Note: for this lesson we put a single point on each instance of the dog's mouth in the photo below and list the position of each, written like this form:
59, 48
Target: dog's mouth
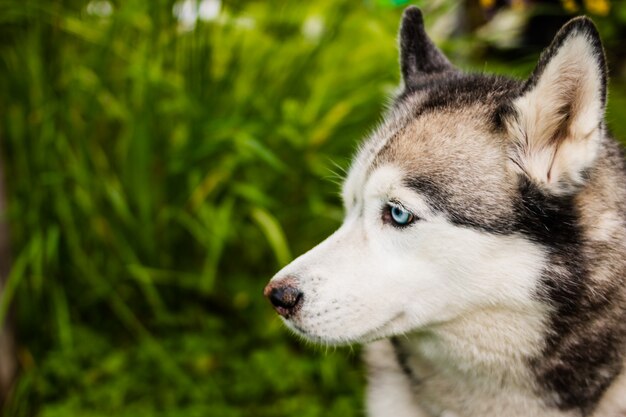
340, 334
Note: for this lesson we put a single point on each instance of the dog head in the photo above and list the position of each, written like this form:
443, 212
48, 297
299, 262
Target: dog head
447, 203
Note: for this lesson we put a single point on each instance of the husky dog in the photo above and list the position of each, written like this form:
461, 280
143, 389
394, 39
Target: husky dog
483, 253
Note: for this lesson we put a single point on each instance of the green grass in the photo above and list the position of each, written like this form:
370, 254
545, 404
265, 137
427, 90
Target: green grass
159, 177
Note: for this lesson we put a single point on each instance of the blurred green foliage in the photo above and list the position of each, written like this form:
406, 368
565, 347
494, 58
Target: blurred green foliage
160, 172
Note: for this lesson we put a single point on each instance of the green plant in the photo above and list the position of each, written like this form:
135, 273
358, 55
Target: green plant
159, 173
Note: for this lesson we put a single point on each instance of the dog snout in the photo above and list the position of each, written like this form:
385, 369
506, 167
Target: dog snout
284, 296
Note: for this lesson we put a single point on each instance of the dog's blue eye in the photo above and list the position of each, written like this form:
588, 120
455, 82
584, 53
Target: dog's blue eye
400, 216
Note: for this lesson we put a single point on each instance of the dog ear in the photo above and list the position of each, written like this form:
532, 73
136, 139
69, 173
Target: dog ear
418, 55
557, 121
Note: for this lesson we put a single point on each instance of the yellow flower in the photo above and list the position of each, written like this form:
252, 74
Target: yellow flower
599, 7
570, 6
487, 4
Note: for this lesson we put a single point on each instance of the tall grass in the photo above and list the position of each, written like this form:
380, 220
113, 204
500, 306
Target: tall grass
158, 175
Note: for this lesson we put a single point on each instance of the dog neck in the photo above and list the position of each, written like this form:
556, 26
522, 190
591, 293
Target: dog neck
480, 360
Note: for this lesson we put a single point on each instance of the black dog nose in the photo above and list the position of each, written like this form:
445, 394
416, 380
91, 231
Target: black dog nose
285, 298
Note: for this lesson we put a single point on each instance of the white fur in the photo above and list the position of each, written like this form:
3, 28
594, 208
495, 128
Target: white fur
389, 393
470, 292
369, 280
462, 302
467, 364
396, 120
605, 225
571, 80
613, 402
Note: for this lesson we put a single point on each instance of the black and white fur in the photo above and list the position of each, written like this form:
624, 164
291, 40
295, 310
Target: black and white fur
505, 295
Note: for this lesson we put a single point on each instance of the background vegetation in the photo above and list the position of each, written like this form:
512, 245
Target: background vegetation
163, 159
